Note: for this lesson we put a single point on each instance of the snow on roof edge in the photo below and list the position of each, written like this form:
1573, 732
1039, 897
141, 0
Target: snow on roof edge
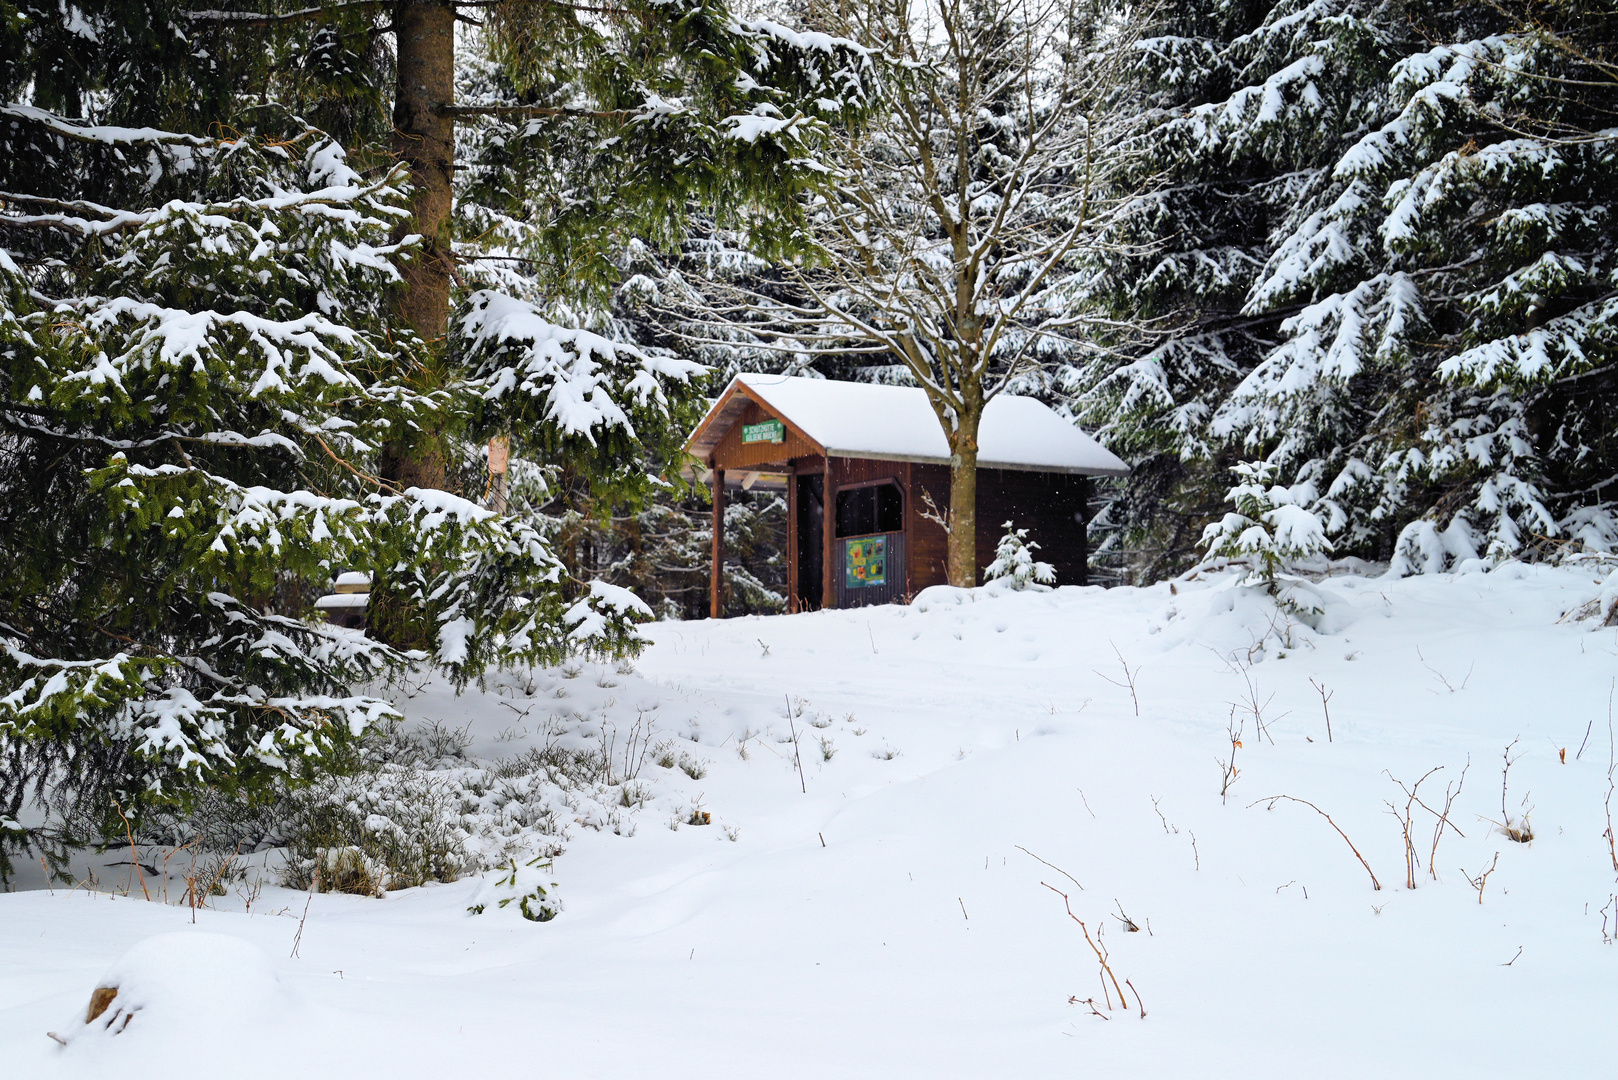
897, 423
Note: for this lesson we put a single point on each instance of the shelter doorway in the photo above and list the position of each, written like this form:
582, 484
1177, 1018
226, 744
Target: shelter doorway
811, 542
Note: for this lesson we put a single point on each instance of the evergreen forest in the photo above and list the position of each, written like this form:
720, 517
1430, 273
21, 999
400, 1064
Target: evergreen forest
276, 275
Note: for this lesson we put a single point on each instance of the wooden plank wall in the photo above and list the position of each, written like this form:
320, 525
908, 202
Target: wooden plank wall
800, 600
735, 456
929, 547
847, 471
1051, 506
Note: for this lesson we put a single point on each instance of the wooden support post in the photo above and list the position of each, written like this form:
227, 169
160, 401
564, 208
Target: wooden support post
793, 509
1082, 516
828, 522
716, 602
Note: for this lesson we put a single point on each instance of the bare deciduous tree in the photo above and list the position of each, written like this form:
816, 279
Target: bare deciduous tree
951, 243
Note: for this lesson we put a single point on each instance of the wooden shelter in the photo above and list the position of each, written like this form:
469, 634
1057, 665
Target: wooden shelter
865, 469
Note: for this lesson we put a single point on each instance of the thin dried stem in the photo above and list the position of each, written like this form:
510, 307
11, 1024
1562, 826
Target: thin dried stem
1052, 865
134, 859
1129, 677
1273, 799
1099, 950
1325, 699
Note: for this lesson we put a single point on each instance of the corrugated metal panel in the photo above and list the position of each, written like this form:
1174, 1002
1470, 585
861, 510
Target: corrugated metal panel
851, 594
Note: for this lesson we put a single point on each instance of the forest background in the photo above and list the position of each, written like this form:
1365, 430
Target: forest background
272, 277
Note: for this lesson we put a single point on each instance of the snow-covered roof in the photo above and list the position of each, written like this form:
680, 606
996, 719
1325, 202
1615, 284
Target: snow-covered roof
896, 423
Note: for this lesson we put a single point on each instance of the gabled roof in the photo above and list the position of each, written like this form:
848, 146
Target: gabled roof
896, 423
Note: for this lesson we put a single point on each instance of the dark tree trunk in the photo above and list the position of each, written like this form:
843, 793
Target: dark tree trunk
424, 138
963, 502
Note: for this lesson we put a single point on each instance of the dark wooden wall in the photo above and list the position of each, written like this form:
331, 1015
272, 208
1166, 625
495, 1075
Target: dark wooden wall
847, 471
1051, 506
929, 547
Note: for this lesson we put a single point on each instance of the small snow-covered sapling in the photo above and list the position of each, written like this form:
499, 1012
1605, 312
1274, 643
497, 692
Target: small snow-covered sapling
1014, 561
1269, 527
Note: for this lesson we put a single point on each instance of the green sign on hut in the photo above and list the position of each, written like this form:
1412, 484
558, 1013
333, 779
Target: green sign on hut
770, 431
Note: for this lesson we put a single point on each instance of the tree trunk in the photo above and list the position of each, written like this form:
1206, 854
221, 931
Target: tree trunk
963, 500
424, 138
716, 598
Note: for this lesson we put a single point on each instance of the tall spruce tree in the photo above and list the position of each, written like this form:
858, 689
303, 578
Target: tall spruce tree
1388, 243
228, 369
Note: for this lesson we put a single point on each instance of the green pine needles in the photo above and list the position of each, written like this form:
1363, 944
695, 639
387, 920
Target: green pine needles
1384, 231
211, 400
192, 413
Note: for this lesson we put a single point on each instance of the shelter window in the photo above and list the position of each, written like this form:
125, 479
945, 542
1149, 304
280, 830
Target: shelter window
874, 508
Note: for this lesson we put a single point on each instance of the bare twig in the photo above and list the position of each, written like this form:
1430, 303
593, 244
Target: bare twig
1129, 677
1517, 829
932, 513
1227, 768
1099, 950
1052, 865
1612, 778
1587, 729
797, 757
1439, 675
1074, 1000
1325, 699
314, 887
1404, 820
1483, 876
1138, 1001
1167, 828
1443, 818
134, 860
1252, 704
1273, 799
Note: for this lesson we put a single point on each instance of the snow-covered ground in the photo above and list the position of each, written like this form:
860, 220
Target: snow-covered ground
894, 920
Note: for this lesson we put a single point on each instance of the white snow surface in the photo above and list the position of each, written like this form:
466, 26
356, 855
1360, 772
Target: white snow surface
200, 989
893, 920
870, 420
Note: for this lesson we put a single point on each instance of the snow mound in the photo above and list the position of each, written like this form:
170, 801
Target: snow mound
181, 986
